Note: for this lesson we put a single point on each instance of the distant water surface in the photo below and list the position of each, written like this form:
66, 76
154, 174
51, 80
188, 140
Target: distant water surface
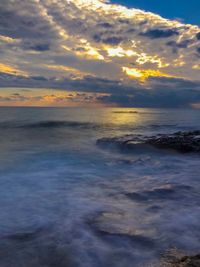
65, 202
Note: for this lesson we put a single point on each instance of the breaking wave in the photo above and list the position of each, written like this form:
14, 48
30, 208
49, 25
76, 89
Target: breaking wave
48, 124
84, 125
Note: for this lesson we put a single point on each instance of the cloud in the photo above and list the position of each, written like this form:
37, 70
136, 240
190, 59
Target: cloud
57, 98
159, 92
38, 47
105, 25
179, 45
142, 75
112, 40
96, 46
4, 68
155, 99
160, 33
198, 36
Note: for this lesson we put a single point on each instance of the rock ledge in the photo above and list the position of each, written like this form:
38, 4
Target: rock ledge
183, 142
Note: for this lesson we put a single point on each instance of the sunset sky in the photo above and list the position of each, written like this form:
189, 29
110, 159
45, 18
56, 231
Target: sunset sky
132, 53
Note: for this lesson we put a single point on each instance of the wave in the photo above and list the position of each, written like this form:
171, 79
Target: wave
157, 126
48, 124
87, 125
59, 124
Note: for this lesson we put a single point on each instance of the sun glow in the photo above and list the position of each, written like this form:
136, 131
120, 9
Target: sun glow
11, 70
89, 51
120, 52
7, 39
142, 75
71, 71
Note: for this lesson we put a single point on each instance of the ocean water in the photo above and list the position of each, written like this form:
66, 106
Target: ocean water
65, 202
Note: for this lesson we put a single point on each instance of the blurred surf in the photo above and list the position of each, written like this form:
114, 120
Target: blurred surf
64, 201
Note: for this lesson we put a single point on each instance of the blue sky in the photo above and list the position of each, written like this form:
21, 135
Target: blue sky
188, 11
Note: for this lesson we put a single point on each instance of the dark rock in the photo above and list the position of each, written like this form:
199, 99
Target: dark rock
154, 208
26, 234
183, 142
186, 261
22, 236
113, 227
167, 192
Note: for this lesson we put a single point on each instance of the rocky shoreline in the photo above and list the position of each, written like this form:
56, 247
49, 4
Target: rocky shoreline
184, 261
183, 142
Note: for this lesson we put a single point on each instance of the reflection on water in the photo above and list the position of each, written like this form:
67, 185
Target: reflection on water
66, 202
116, 116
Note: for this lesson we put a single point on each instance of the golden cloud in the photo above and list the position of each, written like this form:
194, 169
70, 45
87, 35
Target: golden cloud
142, 75
11, 70
71, 71
7, 39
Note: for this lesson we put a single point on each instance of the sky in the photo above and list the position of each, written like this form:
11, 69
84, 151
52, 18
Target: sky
183, 10
139, 53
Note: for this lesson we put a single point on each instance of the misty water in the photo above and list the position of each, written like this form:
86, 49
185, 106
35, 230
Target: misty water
65, 202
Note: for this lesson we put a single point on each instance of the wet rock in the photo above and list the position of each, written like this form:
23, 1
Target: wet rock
117, 226
186, 261
190, 261
183, 142
120, 141
39, 247
166, 192
24, 234
154, 208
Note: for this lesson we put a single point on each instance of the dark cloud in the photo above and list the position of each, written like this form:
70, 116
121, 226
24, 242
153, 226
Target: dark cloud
41, 47
143, 22
154, 98
97, 38
105, 25
183, 44
198, 50
165, 92
23, 19
17, 26
198, 36
13, 97
159, 33
124, 21
132, 30
119, 99
87, 84
178, 45
112, 40
39, 78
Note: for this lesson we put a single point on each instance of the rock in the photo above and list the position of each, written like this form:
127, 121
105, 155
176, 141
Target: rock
183, 142
186, 261
193, 261
119, 226
166, 192
25, 236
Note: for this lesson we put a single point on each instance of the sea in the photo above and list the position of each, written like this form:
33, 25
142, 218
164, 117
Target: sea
67, 202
